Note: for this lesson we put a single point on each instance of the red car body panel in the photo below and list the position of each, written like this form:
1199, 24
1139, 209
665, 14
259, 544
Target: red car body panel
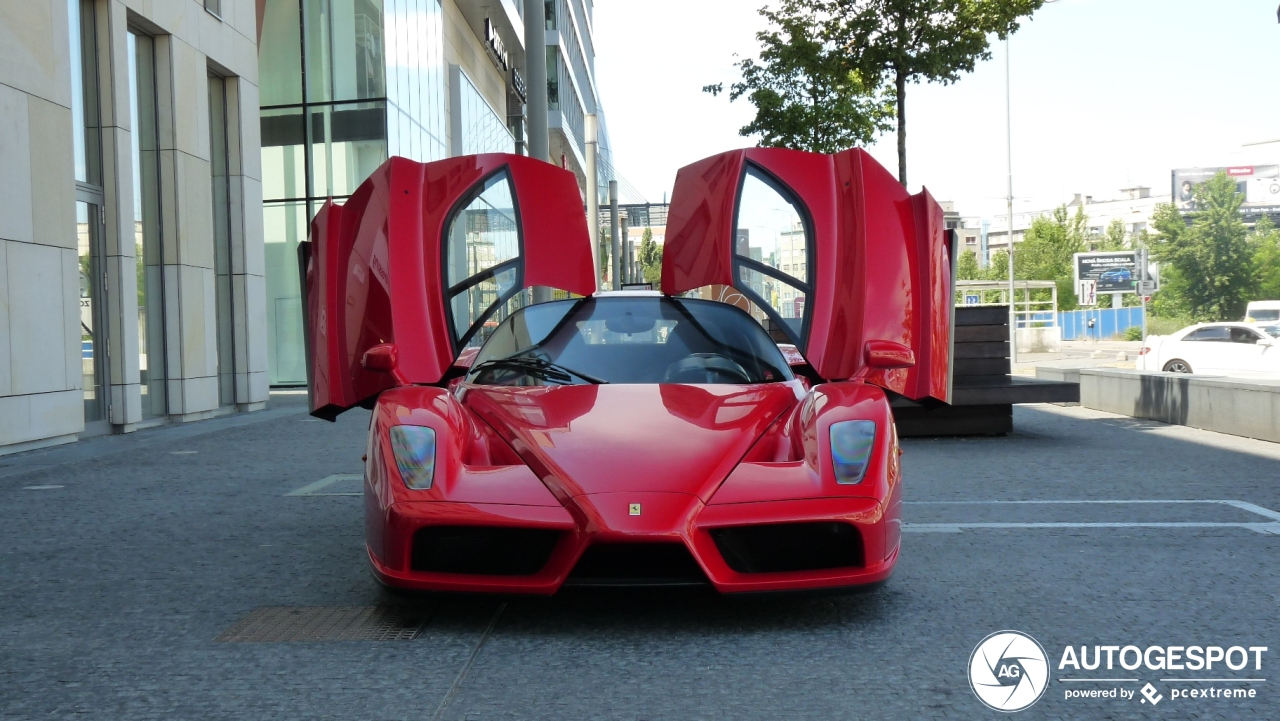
375, 275
653, 465
882, 262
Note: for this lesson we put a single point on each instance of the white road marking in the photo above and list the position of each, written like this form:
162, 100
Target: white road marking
40, 488
312, 488
1271, 528
182, 453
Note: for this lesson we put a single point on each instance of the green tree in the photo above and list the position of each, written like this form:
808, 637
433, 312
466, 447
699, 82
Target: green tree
1113, 239
1048, 251
998, 268
805, 96
967, 266
906, 41
1266, 258
650, 258
1211, 257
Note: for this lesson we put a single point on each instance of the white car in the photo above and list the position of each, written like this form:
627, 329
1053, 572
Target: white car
1262, 311
1233, 349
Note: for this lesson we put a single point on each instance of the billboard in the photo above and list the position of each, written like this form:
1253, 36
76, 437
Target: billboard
1110, 272
1259, 184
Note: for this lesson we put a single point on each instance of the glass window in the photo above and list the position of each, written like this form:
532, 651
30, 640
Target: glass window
482, 131
213, 6
92, 347
348, 142
146, 209
633, 340
553, 80
280, 55
220, 151
1244, 335
343, 49
1216, 333
481, 255
772, 249
86, 135
284, 226
284, 167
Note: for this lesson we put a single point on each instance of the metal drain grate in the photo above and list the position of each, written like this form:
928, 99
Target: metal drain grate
326, 623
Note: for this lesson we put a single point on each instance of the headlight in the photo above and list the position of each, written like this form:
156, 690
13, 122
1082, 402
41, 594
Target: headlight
851, 444
415, 451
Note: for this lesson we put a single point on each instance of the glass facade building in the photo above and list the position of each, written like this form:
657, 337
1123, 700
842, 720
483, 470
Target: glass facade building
345, 85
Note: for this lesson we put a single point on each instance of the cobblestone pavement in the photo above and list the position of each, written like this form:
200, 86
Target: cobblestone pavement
125, 558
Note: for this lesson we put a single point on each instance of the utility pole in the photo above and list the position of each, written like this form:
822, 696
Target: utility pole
535, 65
629, 275
1008, 107
613, 235
593, 186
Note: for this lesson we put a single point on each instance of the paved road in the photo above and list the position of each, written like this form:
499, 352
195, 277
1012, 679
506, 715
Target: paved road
116, 584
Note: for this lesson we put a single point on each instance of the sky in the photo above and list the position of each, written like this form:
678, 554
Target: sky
1106, 94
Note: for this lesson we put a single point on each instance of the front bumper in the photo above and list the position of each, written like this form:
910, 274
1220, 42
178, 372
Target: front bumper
666, 520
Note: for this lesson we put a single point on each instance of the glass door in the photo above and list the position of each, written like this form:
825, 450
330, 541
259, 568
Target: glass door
146, 212
219, 144
93, 347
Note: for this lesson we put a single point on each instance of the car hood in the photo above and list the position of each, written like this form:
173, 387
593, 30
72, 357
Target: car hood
623, 438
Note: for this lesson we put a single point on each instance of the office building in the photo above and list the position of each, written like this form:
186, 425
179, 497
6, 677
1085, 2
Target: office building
131, 264
348, 83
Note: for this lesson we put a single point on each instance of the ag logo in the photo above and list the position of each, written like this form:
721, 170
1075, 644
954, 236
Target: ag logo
1008, 671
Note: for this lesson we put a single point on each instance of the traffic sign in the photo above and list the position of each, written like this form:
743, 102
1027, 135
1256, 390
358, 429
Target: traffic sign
1088, 292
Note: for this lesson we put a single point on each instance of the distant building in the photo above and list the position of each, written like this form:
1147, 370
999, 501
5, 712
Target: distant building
968, 229
1134, 209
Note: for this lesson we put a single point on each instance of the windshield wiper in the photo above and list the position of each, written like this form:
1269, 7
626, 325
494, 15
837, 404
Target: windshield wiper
539, 368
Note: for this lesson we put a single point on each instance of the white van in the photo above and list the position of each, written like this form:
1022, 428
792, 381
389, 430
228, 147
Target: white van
1262, 311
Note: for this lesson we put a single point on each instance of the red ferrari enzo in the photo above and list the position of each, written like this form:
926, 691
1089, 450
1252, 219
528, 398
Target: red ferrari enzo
733, 429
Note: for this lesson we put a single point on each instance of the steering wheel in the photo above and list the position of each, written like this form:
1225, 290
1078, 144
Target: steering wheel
706, 368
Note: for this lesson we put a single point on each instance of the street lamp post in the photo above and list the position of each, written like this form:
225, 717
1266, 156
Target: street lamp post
1008, 107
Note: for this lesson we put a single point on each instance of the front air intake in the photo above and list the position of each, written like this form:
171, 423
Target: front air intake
482, 550
783, 547
636, 564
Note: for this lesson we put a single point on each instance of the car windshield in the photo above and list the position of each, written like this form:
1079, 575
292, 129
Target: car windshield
1264, 313
1271, 330
629, 339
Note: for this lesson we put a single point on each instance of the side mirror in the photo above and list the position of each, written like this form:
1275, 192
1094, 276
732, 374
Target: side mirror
380, 358
1266, 342
886, 354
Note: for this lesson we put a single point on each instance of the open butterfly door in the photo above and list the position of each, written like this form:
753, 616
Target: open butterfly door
831, 250
420, 258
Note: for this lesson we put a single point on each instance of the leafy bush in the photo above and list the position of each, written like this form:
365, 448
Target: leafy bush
1133, 332
1164, 325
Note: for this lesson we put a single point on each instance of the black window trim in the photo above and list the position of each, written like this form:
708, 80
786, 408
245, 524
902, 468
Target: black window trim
476, 190
739, 261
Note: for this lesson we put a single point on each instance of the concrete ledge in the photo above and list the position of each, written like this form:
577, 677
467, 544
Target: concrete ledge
1240, 407
1061, 375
